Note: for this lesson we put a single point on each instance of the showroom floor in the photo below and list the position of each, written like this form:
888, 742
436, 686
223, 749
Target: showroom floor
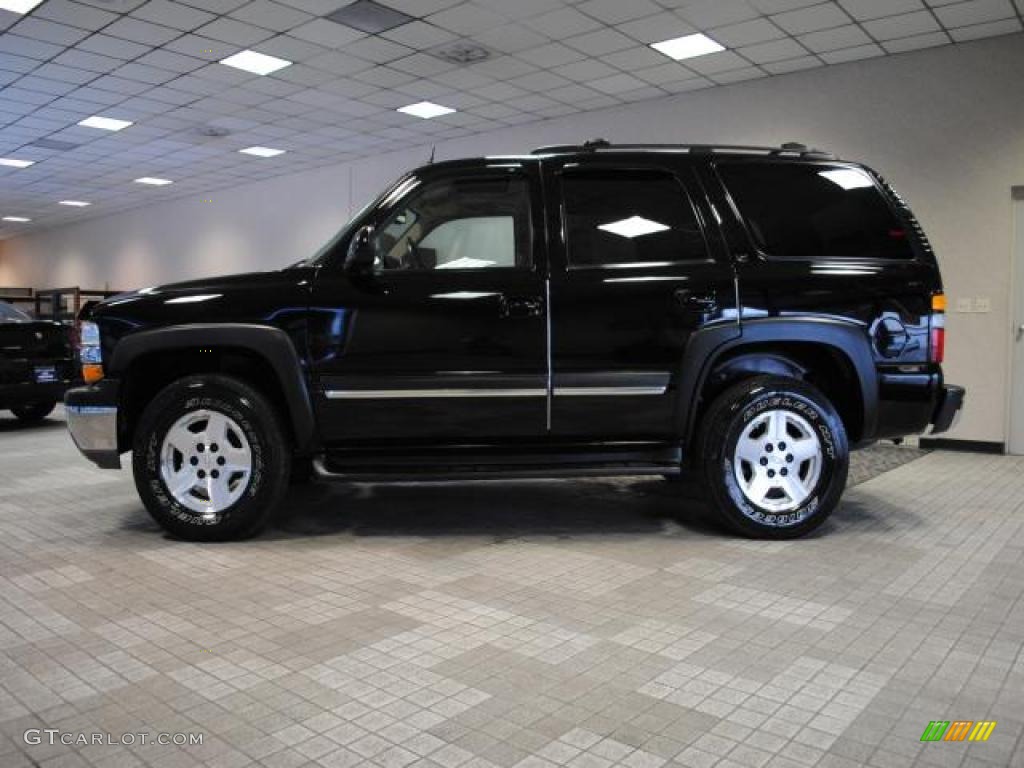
528, 624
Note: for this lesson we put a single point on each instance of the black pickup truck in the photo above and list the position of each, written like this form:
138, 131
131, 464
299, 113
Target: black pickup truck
37, 364
745, 315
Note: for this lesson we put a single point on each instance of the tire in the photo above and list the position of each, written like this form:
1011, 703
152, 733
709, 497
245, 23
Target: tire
184, 486
35, 412
762, 475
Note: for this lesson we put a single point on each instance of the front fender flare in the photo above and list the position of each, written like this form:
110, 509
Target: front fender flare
269, 342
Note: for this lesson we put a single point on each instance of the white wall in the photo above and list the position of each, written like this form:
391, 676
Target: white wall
945, 125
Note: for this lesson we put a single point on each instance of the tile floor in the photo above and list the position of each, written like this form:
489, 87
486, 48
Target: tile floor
511, 625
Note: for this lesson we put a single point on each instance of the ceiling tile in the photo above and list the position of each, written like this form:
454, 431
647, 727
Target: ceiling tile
599, 43
74, 14
793, 65
875, 9
419, 35
550, 55
270, 15
833, 39
654, 29
234, 32
140, 32
974, 12
466, 19
617, 11
916, 42
327, 33
917, 23
853, 54
562, 23
775, 50
49, 31
174, 15
588, 69
989, 29
823, 16
746, 33
705, 14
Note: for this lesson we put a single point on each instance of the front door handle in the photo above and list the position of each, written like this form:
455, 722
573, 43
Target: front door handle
696, 302
518, 307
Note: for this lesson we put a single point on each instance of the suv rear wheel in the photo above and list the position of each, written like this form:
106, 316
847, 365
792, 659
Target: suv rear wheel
210, 459
35, 412
775, 457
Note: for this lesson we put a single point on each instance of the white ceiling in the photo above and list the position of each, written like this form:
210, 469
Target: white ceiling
154, 62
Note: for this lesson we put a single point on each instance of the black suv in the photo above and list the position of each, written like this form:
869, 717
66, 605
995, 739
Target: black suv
743, 314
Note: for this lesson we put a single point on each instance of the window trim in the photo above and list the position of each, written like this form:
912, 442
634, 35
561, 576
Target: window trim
702, 225
763, 255
379, 215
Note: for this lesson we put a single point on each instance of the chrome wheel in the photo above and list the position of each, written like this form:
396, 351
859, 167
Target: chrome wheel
778, 461
205, 462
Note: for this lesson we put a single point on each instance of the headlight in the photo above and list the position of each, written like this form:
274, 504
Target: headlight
89, 352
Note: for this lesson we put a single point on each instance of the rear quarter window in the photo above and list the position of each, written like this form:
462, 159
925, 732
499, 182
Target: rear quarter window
815, 209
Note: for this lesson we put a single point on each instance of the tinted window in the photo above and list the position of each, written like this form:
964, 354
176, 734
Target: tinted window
629, 217
470, 223
8, 314
815, 210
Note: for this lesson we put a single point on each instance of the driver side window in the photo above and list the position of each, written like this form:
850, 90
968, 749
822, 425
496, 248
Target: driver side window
460, 223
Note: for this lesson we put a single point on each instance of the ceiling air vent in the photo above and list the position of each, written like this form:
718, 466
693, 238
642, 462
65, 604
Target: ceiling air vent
370, 17
462, 52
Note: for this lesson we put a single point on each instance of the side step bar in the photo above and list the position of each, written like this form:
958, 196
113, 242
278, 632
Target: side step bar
442, 466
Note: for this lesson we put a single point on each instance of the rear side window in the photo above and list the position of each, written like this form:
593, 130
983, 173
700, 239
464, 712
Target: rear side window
810, 209
629, 218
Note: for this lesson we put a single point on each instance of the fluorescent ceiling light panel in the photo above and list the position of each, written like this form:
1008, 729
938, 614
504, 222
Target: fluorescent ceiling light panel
153, 182
19, 6
688, 47
426, 110
848, 178
105, 123
634, 226
11, 162
17, 219
257, 63
262, 151
74, 203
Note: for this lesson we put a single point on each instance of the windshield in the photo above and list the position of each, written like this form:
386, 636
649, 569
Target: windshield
8, 314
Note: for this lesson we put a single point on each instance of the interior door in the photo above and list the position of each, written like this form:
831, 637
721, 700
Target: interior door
445, 340
632, 276
1017, 361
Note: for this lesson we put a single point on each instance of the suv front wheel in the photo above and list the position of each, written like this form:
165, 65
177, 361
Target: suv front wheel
210, 459
775, 457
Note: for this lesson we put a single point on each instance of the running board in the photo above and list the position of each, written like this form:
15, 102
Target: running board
486, 465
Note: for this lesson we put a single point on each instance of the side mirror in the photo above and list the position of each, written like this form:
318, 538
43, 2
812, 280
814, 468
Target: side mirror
361, 255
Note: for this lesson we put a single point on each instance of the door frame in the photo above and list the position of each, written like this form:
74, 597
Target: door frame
1015, 442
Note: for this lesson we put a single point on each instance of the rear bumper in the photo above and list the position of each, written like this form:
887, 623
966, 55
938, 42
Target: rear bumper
947, 412
26, 393
92, 421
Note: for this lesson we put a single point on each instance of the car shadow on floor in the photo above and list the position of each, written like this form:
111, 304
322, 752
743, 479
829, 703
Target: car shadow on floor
9, 423
500, 509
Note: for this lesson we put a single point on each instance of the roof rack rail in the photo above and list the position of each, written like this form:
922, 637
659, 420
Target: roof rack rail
597, 145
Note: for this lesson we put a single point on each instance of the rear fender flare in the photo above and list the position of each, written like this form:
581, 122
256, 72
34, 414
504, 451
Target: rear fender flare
707, 346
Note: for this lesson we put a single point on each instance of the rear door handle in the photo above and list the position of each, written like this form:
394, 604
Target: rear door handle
518, 307
696, 302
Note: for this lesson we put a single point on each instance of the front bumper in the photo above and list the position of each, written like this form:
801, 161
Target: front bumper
947, 412
93, 423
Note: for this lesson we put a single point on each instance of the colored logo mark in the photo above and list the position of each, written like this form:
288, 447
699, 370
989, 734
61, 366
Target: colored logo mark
958, 730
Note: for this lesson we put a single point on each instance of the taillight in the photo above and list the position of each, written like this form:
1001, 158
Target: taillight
937, 324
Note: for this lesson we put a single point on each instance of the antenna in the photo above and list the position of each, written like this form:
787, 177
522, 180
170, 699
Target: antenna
432, 150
